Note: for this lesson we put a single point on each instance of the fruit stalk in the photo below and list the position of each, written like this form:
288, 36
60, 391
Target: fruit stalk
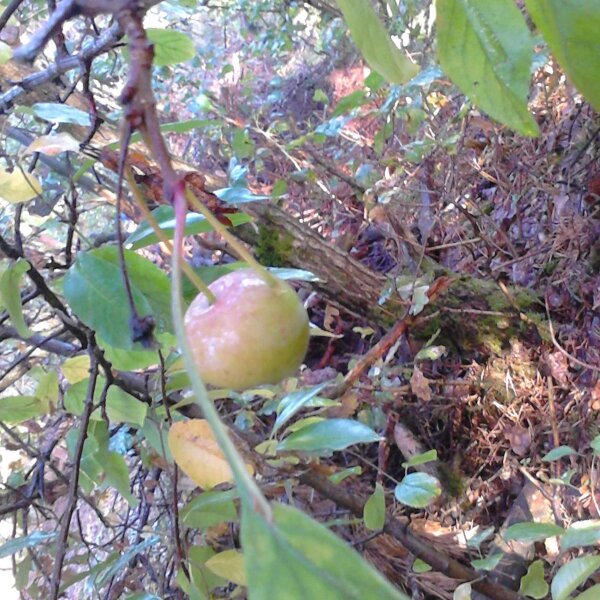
263, 273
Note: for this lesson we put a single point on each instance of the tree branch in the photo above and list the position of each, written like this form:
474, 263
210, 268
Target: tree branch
62, 543
401, 532
77, 61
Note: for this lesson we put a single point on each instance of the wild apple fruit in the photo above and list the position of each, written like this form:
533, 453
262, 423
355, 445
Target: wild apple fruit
254, 333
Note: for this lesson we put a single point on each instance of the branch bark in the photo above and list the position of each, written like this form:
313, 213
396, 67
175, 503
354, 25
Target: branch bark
401, 532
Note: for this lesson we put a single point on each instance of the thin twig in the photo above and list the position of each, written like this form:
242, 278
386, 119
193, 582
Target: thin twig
9, 11
386, 342
401, 532
560, 348
103, 44
175, 479
61, 546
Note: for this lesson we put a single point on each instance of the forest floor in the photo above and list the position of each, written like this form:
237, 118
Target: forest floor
482, 202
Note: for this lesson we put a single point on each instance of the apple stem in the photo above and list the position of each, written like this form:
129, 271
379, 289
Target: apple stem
249, 491
242, 251
160, 234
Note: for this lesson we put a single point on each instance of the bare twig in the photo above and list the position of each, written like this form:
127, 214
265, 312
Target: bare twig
101, 45
401, 532
9, 11
386, 342
61, 547
560, 348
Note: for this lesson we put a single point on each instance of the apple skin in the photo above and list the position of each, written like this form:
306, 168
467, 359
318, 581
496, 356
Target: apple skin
253, 334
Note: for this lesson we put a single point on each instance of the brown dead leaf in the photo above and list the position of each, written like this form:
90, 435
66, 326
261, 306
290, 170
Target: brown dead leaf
595, 403
348, 406
419, 385
53, 145
559, 367
331, 314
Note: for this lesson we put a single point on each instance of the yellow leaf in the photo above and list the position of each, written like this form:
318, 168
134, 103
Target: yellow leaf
76, 369
197, 453
52, 145
18, 187
229, 565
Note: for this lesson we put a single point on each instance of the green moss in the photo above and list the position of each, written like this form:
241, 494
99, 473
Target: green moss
272, 249
452, 480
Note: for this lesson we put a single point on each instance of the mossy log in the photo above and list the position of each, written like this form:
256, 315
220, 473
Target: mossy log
472, 313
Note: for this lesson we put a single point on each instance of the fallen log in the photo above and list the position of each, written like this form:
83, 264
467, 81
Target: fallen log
473, 312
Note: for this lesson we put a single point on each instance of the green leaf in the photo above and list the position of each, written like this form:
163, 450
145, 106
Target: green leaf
431, 353
202, 578
22, 572
570, 27
480, 537
210, 508
95, 290
532, 532
76, 368
421, 459
294, 274
291, 404
238, 195
228, 564
374, 511
61, 113
74, 398
338, 477
302, 423
533, 583
29, 541
122, 407
374, 42
420, 566
320, 96
302, 557
16, 409
132, 360
571, 575
489, 563
117, 475
350, 102
558, 453
462, 592
592, 593
47, 387
417, 490
10, 295
5, 53
595, 445
187, 125
242, 144
101, 466
330, 434
170, 47
581, 533
144, 235
486, 49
